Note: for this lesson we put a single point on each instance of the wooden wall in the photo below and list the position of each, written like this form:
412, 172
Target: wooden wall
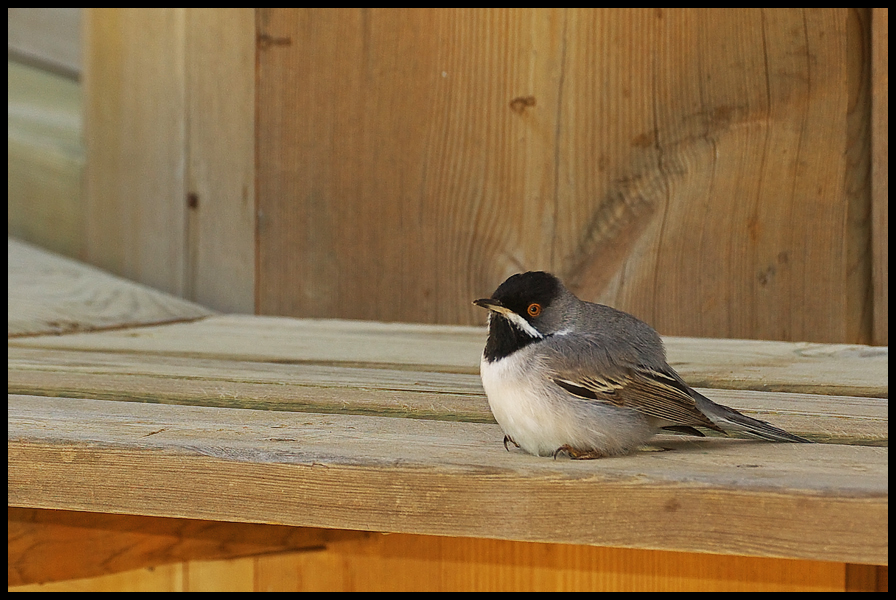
717, 172
705, 169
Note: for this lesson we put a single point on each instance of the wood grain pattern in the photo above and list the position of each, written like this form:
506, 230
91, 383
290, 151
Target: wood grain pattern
395, 145
880, 166
732, 201
49, 294
429, 563
848, 370
171, 191
57, 545
45, 159
695, 167
437, 151
819, 501
418, 563
382, 390
220, 77
135, 111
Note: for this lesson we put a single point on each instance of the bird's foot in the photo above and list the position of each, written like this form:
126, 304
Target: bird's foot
507, 438
575, 454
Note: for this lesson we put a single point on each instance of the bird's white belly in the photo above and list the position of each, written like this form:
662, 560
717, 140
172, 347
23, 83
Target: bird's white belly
541, 417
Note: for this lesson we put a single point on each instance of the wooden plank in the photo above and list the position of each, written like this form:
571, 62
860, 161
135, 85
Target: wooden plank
880, 166
813, 501
164, 578
423, 563
696, 167
45, 159
135, 113
442, 117
732, 184
48, 37
866, 578
169, 100
56, 545
51, 294
846, 370
404, 562
220, 77
385, 391
857, 180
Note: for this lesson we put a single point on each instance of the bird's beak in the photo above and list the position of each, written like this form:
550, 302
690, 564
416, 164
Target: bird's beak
492, 305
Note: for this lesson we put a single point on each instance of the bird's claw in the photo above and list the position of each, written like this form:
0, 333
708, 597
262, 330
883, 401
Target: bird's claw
577, 454
507, 438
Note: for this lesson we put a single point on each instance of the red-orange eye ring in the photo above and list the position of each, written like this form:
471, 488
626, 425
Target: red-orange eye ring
534, 309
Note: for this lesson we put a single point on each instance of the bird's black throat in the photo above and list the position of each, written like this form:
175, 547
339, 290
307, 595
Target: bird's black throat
504, 339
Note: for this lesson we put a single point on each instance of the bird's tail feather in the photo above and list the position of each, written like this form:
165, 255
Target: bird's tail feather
728, 418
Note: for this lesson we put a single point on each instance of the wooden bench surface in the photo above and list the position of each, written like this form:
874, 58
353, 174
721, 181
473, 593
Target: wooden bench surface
155, 406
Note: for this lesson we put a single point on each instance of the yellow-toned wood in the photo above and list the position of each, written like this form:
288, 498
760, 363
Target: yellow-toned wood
693, 166
164, 578
418, 563
880, 169
48, 37
641, 128
135, 113
45, 159
170, 108
426, 563
818, 501
446, 122
55, 545
49, 294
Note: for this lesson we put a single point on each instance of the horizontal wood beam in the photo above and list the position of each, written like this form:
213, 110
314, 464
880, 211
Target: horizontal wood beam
385, 389
822, 502
55, 545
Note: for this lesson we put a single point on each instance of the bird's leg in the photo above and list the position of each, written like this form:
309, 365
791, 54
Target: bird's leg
507, 438
577, 454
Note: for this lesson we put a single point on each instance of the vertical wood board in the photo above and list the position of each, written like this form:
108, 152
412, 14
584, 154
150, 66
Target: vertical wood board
135, 116
881, 173
220, 150
703, 168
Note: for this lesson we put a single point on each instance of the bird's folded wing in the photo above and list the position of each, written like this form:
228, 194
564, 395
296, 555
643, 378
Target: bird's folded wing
591, 375
639, 392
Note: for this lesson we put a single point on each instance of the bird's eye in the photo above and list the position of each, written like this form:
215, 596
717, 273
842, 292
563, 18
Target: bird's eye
534, 309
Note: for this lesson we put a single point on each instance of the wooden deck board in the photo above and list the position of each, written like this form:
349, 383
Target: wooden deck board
50, 294
837, 369
337, 388
150, 405
818, 501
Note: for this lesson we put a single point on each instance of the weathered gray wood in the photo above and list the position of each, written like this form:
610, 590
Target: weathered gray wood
48, 293
337, 388
818, 501
837, 369
49, 37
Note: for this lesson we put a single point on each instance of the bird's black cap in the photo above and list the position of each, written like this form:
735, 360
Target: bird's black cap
520, 290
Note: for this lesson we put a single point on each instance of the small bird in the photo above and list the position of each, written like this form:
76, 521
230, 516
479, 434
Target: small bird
565, 376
